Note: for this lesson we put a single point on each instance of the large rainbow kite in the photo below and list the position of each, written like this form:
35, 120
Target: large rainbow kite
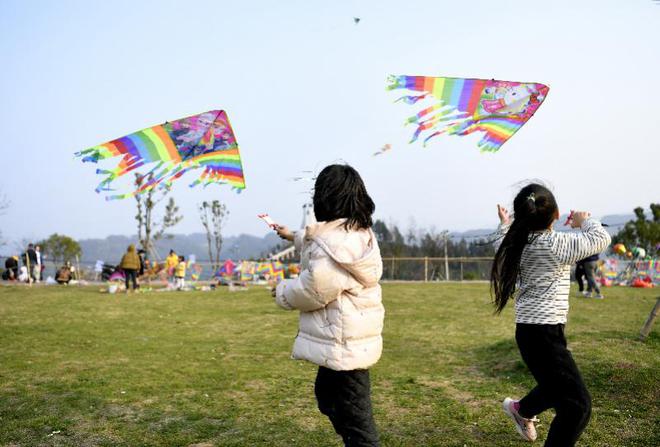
458, 106
205, 141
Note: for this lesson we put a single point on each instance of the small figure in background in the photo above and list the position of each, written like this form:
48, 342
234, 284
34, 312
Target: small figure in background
180, 274
64, 274
11, 269
130, 264
170, 265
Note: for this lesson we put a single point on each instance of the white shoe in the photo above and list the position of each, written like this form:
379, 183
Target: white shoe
586, 294
524, 426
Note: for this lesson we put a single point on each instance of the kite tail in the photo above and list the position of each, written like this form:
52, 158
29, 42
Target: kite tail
418, 117
434, 134
119, 196
93, 154
395, 82
412, 99
443, 111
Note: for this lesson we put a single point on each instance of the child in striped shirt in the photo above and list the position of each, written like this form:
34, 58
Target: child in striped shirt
533, 264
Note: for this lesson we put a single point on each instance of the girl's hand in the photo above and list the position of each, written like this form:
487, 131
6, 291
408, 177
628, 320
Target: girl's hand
579, 217
284, 232
503, 214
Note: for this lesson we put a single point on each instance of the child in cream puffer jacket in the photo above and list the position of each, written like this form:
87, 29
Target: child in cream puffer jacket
339, 299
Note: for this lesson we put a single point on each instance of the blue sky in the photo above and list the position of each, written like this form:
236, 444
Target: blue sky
304, 86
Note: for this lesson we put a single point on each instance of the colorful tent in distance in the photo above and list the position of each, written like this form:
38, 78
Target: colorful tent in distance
460, 106
204, 141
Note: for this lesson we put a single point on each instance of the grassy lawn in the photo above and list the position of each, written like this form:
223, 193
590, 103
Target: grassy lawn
204, 369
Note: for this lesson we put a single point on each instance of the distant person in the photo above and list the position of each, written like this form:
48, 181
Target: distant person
31, 261
64, 274
130, 264
532, 264
171, 262
39, 266
141, 254
580, 276
23, 275
11, 269
590, 267
180, 274
340, 267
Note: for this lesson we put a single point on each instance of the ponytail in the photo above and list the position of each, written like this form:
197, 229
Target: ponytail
534, 210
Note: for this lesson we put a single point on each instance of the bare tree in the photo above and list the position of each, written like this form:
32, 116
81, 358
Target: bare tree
149, 229
213, 216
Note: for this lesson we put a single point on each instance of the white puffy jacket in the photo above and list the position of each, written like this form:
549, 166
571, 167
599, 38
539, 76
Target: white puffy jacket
338, 295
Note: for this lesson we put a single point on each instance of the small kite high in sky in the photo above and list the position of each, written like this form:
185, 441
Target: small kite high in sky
205, 141
382, 150
459, 106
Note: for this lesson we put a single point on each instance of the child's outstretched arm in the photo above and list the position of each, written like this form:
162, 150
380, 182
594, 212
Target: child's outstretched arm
503, 227
593, 239
316, 286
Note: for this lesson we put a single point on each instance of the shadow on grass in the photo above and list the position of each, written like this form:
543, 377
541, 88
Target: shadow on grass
614, 380
500, 360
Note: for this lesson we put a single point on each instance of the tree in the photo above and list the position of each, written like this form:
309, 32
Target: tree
641, 232
213, 215
149, 229
382, 232
60, 248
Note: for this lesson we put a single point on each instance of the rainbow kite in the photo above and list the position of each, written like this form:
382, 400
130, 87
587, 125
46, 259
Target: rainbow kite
205, 141
458, 106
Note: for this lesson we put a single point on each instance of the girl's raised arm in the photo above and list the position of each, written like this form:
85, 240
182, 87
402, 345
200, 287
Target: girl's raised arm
571, 247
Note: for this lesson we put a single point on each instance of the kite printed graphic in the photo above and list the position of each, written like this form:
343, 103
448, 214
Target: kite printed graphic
460, 106
205, 141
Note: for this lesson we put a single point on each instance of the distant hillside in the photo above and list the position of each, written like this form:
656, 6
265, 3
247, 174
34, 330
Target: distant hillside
243, 246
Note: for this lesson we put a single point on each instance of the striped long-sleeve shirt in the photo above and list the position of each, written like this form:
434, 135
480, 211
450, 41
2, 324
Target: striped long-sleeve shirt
545, 266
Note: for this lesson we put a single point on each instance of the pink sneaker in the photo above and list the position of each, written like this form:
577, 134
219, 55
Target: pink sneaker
524, 426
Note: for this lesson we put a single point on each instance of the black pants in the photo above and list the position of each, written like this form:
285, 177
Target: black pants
560, 386
130, 274
579, 274
345, 397
590, 272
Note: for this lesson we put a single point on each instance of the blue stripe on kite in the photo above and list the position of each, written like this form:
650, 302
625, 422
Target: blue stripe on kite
457, 90
140, 146
466, 94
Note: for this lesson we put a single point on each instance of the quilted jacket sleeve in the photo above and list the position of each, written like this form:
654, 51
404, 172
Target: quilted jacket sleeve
319, 284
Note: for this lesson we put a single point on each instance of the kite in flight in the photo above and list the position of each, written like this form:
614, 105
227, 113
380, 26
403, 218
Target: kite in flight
459, 106
205, 141
383, 149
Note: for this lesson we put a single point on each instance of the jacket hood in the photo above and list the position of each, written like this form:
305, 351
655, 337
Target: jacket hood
356, 251
131, 248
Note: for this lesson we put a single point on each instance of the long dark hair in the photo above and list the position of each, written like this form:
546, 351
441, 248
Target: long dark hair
534, 209
339, 192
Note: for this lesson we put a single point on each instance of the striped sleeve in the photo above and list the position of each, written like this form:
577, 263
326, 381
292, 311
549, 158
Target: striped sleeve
571, 247
501, 231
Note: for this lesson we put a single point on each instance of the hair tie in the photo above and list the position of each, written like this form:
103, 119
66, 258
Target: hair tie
532, 197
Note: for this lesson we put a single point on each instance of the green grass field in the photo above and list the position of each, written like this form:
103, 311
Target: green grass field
82, 368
